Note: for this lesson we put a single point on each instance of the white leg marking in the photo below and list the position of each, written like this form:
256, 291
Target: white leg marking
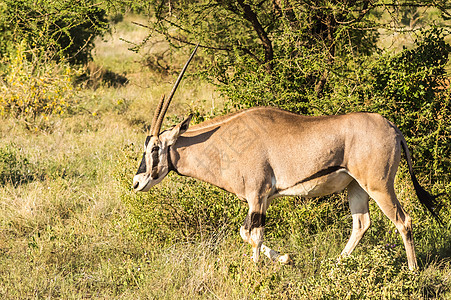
256, 238
358, 203
275, 256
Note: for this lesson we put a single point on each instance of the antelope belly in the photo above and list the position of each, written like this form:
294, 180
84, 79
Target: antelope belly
325, 185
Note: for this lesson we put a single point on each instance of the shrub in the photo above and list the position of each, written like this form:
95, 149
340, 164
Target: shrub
34, 90
373, 275
15, 168
410, 89
58, 29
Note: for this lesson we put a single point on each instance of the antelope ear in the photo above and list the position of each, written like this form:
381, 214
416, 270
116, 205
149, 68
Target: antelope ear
178, 130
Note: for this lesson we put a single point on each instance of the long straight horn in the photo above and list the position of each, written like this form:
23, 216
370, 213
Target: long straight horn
168, 100
155, 117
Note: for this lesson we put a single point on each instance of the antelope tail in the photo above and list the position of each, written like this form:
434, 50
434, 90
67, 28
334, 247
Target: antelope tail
428, 200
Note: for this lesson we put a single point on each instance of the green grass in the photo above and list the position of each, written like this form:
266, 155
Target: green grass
73, 228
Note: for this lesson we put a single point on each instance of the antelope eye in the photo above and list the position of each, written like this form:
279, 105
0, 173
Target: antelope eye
155, 149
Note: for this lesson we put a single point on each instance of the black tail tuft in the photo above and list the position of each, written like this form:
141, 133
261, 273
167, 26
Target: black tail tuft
428, 200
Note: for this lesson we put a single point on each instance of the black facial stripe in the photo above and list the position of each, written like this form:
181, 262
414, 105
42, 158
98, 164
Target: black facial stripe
155, 162
142, 166
155, 159
254, 220
147, 140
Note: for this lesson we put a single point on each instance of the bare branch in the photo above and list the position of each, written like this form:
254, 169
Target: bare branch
228, 48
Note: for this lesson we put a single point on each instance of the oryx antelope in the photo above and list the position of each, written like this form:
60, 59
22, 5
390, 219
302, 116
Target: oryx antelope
262, 153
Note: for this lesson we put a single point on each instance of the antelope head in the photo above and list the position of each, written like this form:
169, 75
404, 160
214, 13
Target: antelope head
155, 164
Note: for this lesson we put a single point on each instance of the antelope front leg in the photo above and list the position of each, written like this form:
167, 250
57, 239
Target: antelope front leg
252, 232
254, 236
276, 256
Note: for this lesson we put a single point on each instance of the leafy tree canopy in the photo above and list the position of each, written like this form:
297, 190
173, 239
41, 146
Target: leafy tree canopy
55, 28
282, 52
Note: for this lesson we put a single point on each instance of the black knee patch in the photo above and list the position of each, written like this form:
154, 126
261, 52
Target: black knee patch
254, 220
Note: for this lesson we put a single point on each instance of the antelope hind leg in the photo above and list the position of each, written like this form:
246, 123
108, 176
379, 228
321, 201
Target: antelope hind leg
391, 207
358, 203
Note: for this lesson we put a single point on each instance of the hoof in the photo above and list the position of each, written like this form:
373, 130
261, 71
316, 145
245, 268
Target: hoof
285, 259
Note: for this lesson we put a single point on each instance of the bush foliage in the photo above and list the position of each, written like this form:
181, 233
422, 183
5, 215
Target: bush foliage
179, 209
410, 89
58, 29
15, 167
34, 90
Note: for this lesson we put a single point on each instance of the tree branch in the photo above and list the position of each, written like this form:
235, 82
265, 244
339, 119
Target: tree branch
250, 15
186, 42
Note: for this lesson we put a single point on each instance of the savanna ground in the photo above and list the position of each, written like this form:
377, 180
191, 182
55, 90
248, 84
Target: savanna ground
71, 226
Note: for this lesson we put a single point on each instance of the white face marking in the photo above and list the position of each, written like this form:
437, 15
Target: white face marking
154, 163
143, 182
